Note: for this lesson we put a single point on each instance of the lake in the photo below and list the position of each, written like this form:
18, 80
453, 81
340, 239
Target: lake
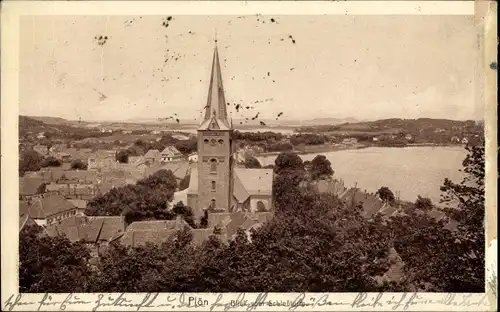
411, 170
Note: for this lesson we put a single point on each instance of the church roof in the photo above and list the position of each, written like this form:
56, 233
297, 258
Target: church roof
215, 109
239, 191
254, 181
247, 182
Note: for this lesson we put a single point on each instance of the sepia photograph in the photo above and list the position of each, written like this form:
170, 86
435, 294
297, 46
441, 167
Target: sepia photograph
262, 153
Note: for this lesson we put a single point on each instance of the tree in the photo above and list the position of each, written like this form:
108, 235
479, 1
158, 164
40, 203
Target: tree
77, 164
320, 167
122, 157
466, 205
51, 162
147, 200
424, 203
160, 179
288, 161
187, 147
289, 174
312, 256
204, 220
386, 194
51, 264
186, 212
465, 199
30, 161
252, 163
436, 258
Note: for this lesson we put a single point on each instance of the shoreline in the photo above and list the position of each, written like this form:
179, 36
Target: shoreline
355, 147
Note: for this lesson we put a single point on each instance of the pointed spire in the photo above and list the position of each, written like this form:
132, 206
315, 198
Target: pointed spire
215, 110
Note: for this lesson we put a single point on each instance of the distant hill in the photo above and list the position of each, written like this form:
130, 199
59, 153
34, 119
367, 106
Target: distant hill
332, 121
32, 125
53, 120
395, 125
41, 124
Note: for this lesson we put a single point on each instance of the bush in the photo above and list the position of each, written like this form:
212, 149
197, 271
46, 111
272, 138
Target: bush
252, 163
122, 157
51, 162
77, 164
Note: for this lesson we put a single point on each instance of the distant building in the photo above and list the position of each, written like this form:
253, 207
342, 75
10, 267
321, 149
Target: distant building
408, 137
152, 156
92, 163
40, 135
49, 209
41, 149
375, 139
455, 139
370, 202
349, 141
158, 231
31, 186
170, 153
96, 232
465, 141
180, 137
34, 212
64, 157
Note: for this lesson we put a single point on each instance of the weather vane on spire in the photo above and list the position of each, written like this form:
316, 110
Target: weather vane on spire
215, 36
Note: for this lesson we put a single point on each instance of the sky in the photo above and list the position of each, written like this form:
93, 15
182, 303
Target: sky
311, 66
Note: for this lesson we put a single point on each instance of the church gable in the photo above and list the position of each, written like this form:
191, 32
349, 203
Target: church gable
213, 125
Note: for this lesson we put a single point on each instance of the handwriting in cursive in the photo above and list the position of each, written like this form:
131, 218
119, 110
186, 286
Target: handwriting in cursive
121, 301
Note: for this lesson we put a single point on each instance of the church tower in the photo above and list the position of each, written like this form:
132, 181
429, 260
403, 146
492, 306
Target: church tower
215, 147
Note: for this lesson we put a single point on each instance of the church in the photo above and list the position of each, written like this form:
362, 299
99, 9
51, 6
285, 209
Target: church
218, 184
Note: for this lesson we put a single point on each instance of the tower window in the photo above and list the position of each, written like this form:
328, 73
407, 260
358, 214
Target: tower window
213, 185
213, 142
212, 203
206, 141
261, 207
213, 165
221, 141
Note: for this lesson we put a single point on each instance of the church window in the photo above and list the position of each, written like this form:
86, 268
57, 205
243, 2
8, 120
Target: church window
213, 142
213, 165
213, 185
206, 141
221, 141
212, 203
